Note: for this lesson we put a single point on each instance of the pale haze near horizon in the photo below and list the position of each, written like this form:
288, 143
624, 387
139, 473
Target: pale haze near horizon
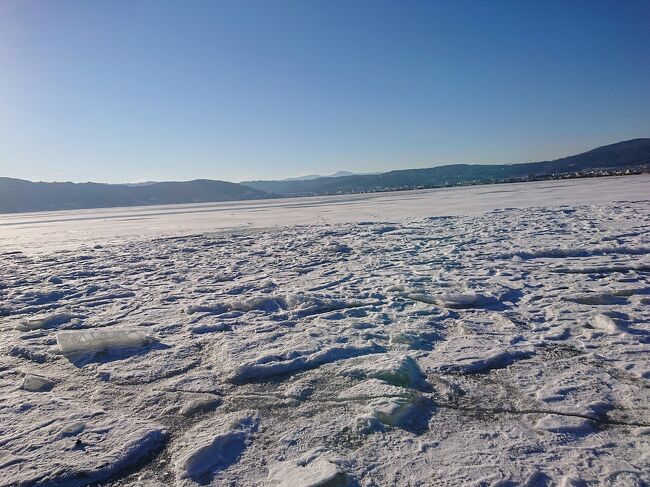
136, 91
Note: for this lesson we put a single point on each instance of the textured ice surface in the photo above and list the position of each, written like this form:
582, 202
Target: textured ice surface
388, 345
49, 440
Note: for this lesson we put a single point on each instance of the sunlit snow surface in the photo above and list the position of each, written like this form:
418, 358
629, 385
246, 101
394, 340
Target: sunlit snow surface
363, 340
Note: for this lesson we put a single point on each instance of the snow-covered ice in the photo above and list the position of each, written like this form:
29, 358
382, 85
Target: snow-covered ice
502, 344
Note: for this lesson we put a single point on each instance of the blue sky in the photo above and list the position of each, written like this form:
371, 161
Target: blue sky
136, 90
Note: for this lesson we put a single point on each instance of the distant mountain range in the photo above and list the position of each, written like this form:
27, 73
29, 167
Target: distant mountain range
337, 174
17, 195
631, 154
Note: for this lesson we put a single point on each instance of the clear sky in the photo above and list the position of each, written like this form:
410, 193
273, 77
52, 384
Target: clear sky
137, 90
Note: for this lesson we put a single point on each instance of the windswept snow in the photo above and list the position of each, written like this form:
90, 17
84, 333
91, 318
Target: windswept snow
506, 346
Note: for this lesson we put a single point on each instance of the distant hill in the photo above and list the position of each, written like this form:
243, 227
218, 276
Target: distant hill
337, 174
631, 154
17, 195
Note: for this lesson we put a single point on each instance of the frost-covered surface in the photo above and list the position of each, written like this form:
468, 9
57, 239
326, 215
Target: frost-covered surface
504, 348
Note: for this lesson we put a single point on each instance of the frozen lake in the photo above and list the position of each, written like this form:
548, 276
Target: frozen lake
352, 341
33, 232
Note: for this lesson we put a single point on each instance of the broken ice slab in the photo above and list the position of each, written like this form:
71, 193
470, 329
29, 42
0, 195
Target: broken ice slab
39, 322
606, 323
315, 468
93, 340
35, 383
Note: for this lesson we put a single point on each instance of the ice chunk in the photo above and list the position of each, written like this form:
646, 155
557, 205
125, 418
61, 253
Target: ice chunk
455, 300
606, 324
269, 365
555, 423
269, 304
414, 339
90, 340
300, 390
465, 300
311, 470
374, 388
395, 369
39, 322
491, 359
72, 429
473, 354
35, 383
393, 411
199, 405
383, 405
338, 248
205, 308
383, 412
597, 299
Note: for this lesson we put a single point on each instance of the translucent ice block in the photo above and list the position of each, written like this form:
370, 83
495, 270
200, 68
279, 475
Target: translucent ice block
90, 340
